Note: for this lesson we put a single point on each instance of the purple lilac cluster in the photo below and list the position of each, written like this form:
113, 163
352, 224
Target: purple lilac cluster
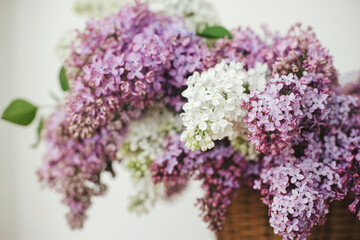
343, 144
301, 52
296, 96
344, 112
279, 112
176, 164
127, 61
245, 47
219, 170
321, 166
298, 191
73, 167
309, 132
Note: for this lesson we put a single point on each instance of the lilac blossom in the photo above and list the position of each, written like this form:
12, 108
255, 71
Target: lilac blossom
219, 169
343, 144
73, 168
298, 191
125, 62
320, 167
246, 47
277, 113
301, 52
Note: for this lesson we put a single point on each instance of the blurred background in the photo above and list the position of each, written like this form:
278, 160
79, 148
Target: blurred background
29, 32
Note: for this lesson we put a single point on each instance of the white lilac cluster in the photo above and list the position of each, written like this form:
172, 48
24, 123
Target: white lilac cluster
213, 109
144, 139
197, 13
143, 143
146, 197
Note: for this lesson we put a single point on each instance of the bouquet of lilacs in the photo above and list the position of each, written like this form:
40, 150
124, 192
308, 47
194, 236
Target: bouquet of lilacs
228, 108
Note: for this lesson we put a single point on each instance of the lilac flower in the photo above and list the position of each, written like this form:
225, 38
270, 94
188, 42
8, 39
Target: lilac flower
303, 75
73, 168
317, 168
245, 47
219, 169
127, 61
295, 197
299, 52
277, 114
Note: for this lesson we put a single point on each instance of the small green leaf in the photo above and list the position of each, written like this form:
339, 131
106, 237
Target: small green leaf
38, 131
20, 112
64, 81
215, 32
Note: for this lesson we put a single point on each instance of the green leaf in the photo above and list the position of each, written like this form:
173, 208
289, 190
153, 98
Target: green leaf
38, 131
64, 81
215, 32
20, 112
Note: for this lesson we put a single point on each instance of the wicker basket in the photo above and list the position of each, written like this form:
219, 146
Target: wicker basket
248, 220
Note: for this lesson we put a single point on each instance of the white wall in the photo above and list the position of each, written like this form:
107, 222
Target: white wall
7, 197
29, 30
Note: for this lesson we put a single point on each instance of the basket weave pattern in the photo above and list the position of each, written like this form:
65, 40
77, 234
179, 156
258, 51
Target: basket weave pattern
248, 220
